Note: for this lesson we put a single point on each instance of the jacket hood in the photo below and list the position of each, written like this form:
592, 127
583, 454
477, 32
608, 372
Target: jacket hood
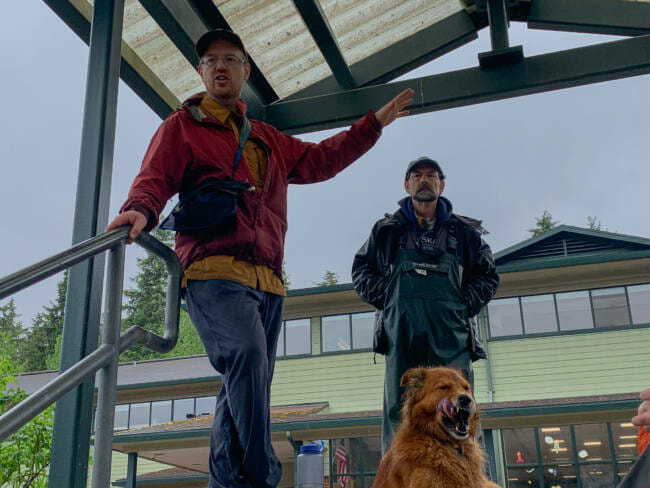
443, 210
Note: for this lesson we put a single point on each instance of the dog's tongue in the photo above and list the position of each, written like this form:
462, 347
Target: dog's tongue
446, 408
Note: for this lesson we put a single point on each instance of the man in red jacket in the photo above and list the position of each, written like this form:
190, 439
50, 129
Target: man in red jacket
233, 277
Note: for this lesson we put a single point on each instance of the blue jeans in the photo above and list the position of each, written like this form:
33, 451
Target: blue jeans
239, 327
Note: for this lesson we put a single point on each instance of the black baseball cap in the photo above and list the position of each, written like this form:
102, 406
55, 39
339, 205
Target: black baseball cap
209, 37
422, 161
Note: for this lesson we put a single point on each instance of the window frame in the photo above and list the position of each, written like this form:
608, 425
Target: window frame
361, 473
559, 331
352, 349
576, 462
283, 338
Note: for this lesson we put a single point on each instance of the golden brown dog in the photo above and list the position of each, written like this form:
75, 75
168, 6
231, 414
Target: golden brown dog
435, 445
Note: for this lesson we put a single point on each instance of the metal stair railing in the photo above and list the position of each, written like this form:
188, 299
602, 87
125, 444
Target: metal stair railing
105, 357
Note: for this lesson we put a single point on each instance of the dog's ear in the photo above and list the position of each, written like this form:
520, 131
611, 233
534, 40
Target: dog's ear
413, 378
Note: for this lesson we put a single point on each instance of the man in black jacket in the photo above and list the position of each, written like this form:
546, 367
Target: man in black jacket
428, 272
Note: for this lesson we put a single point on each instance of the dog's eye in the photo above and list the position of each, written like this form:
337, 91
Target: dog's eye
444, 387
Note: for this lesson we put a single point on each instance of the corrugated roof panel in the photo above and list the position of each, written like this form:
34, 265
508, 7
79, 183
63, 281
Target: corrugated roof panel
278, 40
283, 48
364, 28
143, 35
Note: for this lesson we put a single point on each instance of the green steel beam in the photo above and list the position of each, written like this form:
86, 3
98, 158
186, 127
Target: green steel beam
213, 19
498, 19
508, 412
314, 17
181, 24
614, 17
536, 74
403, 56
132, 470
81, 26
73, 413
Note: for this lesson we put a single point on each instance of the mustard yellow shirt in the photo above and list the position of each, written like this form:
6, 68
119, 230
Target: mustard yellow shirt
224, 267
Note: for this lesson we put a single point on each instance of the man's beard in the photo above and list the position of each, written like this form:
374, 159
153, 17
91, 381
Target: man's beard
425, 194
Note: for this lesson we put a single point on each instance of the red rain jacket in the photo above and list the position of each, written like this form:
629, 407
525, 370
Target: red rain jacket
188, 149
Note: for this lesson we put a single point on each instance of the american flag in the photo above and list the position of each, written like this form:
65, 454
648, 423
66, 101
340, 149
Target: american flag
341, 456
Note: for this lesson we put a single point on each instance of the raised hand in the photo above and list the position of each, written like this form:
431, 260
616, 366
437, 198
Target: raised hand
395, 108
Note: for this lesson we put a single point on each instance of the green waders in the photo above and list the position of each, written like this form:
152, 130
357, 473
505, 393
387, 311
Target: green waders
425, 321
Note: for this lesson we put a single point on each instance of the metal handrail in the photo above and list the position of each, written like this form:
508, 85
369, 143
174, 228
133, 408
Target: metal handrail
106, 356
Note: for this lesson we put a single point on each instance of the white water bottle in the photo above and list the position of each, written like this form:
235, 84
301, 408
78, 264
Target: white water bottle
310, 466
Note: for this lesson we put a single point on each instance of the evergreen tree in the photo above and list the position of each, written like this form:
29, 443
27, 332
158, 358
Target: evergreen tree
543, 224
594, 223
286, 279
11, 334
40, 345
145, 306
25, 454
329, 278
145, 303
189, 342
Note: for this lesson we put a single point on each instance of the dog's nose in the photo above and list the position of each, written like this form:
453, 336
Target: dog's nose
464, 400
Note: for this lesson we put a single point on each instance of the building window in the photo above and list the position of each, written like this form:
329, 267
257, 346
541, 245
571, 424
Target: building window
362, 330
624, 435
139, 416
639, 303
354, 461
621, 306
555, 444
183, 409
539, 314
519, 446
592, 442
347, 332
161, 412
574, 310
567, 456
206, 405
504, 317
610, 307
280, 349
336, 333
297, 337
121, 417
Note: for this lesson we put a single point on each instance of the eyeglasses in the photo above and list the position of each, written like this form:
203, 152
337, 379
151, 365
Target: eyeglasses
231, 61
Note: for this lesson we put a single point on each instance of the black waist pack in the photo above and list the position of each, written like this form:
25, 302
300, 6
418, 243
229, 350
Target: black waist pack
211, 206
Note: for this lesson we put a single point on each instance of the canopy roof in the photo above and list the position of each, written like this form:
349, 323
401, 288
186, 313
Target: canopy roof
326, 48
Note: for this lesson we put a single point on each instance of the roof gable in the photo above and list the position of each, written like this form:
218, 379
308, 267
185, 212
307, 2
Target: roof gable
565, 245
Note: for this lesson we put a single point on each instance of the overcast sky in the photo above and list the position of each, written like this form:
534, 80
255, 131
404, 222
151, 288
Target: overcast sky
576, 152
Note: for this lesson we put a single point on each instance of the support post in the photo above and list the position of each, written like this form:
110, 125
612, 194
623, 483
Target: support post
501, 53
73, 414
132, 470
107, 387
498, 19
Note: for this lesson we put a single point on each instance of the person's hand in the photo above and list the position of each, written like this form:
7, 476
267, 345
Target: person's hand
395, 108
642, 418
135, 219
